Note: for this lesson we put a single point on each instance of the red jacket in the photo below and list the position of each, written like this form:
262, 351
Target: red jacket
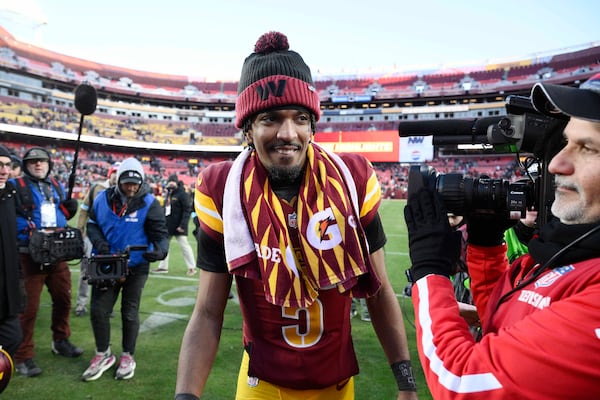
543, 342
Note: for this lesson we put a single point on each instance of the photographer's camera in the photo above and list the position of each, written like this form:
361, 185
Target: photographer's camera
463, 195
105, 270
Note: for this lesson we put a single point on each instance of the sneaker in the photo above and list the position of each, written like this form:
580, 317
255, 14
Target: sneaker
28, 368
126, 367
191, 271
160, 271
80, 311
100, 363
66, 348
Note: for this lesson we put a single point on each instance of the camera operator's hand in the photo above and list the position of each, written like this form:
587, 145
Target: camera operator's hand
487, 229
434, 246
69, 207
154, 255
102, 248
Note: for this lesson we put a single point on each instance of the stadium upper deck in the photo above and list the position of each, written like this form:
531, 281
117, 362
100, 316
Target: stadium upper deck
179, 114
421, 88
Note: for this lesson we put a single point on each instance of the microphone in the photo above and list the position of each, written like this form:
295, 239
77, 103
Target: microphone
448, 127
86, 99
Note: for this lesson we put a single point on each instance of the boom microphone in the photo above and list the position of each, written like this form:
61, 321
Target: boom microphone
447, 127
86, 99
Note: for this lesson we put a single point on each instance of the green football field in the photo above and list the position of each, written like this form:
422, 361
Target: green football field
166, 305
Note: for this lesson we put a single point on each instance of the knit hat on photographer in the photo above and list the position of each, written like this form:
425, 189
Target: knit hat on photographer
274, 76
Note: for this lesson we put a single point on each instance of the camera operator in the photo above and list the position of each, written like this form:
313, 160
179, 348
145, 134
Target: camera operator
540, 316
40, 204
122, 216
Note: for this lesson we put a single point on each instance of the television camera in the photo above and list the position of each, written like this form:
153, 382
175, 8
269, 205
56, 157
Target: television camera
108, 269
523, 130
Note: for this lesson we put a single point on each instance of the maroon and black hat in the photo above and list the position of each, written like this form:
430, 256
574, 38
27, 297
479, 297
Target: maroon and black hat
274, 76
566, 101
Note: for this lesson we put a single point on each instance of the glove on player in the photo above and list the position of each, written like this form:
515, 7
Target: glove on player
434, 246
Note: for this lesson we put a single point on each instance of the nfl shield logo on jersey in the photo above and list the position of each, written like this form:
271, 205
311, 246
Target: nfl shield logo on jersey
293, 220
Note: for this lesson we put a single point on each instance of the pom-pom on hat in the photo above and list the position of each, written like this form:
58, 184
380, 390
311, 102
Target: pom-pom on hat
274, 76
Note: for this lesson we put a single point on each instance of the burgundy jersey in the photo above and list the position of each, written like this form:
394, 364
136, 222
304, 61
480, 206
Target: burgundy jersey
300, 348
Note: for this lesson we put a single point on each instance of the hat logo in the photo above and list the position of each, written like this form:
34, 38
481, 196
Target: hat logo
271, 88
592, 84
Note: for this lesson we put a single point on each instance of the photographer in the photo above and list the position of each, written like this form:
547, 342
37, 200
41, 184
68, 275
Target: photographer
123, 216
40, 204
540, 316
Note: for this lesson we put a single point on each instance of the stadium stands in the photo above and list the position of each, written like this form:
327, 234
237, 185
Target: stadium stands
36, 88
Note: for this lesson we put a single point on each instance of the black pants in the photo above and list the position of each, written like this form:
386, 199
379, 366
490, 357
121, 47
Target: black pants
102, 304
10, 334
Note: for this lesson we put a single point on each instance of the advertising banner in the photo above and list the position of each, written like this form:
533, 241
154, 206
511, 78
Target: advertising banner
376, 146
416, 149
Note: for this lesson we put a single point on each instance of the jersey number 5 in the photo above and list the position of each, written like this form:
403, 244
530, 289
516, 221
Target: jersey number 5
308, 329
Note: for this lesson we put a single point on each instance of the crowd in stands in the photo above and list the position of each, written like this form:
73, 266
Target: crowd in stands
63, 119
94, 166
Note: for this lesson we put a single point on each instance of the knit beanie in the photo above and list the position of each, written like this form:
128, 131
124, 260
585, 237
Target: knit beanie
274, 76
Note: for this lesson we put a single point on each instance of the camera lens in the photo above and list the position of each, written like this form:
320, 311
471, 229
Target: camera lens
489, 194
451, 187
462, 196
105, 269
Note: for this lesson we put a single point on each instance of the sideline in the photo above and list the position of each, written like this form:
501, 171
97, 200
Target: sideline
76, 269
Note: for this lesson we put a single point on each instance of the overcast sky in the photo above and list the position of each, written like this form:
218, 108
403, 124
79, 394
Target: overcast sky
210, 39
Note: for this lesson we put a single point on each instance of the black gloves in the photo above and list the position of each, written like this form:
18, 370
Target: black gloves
154, 255
487, 229
102, 248
69, 207
434, 246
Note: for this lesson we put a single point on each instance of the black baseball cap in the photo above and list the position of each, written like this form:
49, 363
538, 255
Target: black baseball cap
566, 101
131, 177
